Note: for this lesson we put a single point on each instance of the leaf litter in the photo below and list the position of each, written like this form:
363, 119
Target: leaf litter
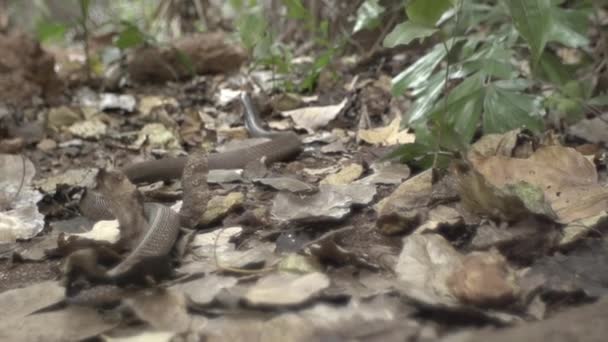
329, 245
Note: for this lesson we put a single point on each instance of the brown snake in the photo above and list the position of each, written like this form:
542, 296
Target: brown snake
163, 224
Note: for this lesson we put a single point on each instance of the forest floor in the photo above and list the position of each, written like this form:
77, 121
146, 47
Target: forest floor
336, 243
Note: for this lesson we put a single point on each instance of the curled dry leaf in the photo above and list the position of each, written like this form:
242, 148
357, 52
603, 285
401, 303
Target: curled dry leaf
59, 117
425, 264
582, 268
286, 289
347, 175
287, 183
442, 217
73, 177
148, 103
594, 130
495, 145
514, 202
157, 135
313, 118
202, 291
76, 324
26, 300
332, 202
212, 251
406, 208
387, 173
19, 215
220, 206
163, 309
90, 129
568, 180
585, 324
388, 135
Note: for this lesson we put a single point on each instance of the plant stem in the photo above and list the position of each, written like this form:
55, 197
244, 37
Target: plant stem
446, 84
84, 14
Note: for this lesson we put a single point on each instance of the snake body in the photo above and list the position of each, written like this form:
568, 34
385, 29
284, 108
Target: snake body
163, 222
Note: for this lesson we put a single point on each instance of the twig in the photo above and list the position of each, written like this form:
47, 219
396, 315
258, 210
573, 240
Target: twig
383, 33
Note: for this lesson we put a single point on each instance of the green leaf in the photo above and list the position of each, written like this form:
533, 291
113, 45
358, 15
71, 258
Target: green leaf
493, 60
186, 61
321, 62
576, 90
295, 10
419, 72
129, 37
405, 32
426, 100
251, 28
427, 12
368, 15
568, 109
465, 104
601, 100
533, 21
449, 139
505, 110
552, 69
419, 155
570, 27
50, 31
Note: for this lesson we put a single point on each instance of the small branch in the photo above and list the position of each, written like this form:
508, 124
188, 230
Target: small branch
85, 30
383, 33
446, 84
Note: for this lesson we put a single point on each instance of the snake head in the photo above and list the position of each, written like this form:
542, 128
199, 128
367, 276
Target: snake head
113, 184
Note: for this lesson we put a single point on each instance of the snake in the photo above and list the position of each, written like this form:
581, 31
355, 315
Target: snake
163, 223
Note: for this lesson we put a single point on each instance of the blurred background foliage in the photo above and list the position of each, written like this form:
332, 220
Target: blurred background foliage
473, 66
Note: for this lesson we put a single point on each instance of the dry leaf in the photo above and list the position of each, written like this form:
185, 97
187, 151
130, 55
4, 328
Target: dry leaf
388, 135
313, 118
568, 179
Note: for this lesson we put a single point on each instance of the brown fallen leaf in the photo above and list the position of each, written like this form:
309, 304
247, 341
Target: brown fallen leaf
484, 279
406, 207
314, 117
568, 179
388, 135
347, 175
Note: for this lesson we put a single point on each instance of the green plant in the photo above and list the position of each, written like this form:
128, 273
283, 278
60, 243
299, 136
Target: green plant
260, 38
486, 72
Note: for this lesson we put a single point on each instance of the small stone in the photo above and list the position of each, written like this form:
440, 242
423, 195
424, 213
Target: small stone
47, 145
